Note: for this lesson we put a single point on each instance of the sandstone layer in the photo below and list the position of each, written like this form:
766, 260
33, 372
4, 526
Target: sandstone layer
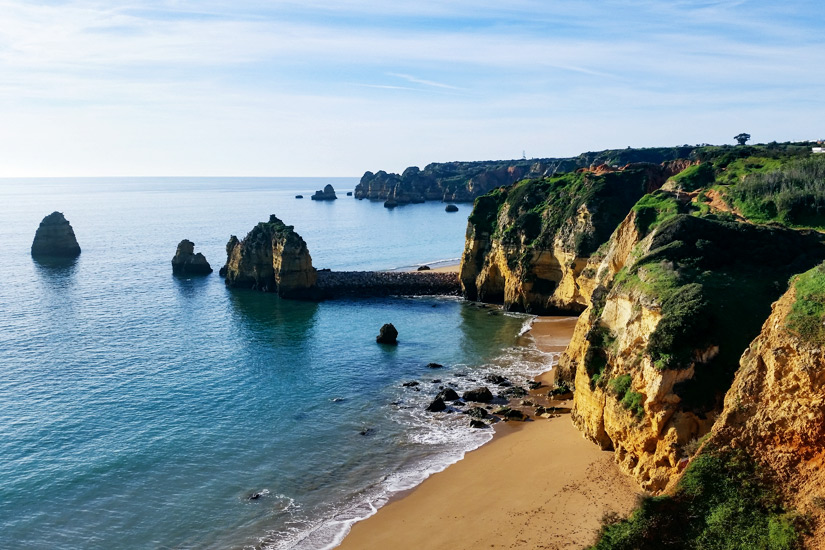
775, 411
55, 238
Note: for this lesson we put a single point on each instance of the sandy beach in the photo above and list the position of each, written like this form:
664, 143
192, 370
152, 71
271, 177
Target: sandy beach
536, 485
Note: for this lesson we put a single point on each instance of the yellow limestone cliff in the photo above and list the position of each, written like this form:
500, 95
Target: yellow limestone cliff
775, 411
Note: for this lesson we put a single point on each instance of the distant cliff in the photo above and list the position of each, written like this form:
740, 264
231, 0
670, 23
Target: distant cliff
464, 181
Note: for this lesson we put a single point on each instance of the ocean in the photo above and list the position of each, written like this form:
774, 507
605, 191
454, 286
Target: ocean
142, 410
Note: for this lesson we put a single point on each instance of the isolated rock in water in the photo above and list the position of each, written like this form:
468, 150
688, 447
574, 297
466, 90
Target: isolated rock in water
436, 406
390, 203
387, 335
272, 258
299, 196
328, 194
349, 193
55, 238
186, 262
481, 395
423, 268
434, 366
451, 208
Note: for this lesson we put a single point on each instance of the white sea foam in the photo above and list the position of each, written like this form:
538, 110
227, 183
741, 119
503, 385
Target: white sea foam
448, 434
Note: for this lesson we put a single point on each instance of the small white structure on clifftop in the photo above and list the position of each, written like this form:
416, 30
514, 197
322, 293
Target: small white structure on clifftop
818, 150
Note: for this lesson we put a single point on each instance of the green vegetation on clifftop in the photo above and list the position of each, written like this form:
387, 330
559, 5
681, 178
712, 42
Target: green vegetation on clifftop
807, 316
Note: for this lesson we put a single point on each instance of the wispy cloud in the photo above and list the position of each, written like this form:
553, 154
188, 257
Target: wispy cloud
431, 83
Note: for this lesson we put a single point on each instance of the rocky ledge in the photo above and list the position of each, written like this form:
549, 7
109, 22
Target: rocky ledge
55, 238
333, 284
186, 262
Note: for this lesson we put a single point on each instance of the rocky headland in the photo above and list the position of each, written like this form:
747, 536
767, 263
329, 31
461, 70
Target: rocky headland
55, 238
465, 181
186, 262
674, 267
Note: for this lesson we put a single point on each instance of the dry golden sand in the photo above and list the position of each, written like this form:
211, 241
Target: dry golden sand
536, 485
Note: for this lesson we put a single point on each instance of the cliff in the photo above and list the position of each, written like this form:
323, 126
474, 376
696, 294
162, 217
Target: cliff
527, 246
755, 481
55, 238
465, 181
186, 262
775, 408
677, 299
272, 258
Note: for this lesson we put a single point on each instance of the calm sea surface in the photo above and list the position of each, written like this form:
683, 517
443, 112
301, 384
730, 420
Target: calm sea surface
140, 410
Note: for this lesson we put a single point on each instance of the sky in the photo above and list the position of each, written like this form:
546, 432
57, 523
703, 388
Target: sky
336, 88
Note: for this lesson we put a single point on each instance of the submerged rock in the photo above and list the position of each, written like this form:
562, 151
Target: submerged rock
327, 194
387, 335
55, 238
434, 365
186, 262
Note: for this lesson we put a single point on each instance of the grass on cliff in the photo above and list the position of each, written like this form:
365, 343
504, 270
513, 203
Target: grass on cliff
714, 282
807, 316
630, 400
791, 193
723, 502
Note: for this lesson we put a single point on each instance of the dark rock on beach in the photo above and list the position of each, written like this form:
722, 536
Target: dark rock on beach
448, 394
477, 424
387, 335
437, 405
497, 379
186, 262
327, 194
423, 268
477, 412
55, 238
480, 395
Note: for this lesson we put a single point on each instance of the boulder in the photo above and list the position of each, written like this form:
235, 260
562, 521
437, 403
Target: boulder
448, 394
411, 384
437, 405
387, 335
186, 262
423, 268
481, 395
349, 193
497, 379
451, 208
477, 412
55, 238
272, 258
434, 366
477, 424
299, 196
390, 203
327, 194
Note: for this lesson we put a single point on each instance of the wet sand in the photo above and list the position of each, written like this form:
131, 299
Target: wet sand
536, 485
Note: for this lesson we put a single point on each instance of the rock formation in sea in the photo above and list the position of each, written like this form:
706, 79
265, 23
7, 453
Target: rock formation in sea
273, 258
451, 208
327, 194
388, 334
186, 262
527, 245
55, 238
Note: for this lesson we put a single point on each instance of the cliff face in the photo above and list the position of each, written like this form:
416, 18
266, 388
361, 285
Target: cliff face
272, 258
529, 246
675, 300
55, 238
775, 408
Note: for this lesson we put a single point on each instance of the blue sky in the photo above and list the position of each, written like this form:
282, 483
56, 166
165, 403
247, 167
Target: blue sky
324, 88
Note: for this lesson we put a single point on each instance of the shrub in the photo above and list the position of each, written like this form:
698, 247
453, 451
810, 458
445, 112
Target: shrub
807, 316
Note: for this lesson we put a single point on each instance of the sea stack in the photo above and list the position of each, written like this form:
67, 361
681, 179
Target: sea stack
387, 335
186, 262
328, 194
272, 258
55, 238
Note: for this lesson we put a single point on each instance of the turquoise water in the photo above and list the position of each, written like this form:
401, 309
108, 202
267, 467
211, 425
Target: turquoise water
140, 410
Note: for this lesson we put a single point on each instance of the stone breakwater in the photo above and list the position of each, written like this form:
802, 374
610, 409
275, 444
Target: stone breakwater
334, 284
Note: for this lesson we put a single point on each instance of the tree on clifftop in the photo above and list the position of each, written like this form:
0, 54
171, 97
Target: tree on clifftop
742, 138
